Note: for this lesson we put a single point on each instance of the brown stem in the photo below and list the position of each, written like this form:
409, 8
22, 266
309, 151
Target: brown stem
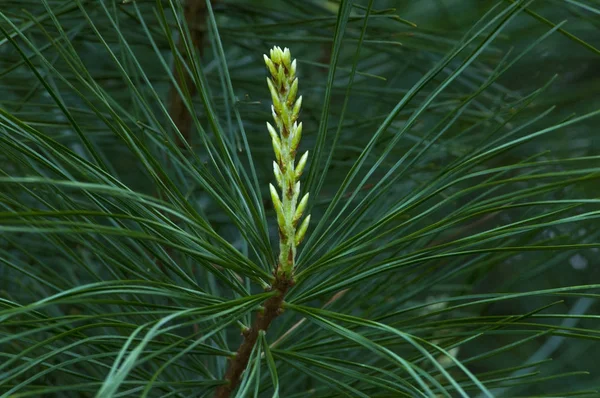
195, 13
271, 310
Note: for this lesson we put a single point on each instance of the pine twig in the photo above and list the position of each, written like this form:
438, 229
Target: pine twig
283, 85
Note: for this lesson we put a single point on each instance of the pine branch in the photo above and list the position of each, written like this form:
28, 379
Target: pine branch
283, 85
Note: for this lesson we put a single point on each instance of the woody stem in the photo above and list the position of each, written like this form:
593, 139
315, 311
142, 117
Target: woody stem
271, 310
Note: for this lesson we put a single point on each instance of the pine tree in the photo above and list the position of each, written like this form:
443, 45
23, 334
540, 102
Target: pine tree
299, 198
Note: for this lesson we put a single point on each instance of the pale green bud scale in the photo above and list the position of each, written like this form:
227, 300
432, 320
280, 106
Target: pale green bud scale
286, 58
293, 91
296, 135
302, 231
300, 208
270, 65
301, 164
278, 175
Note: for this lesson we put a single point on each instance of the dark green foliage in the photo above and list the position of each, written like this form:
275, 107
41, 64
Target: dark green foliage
453, 177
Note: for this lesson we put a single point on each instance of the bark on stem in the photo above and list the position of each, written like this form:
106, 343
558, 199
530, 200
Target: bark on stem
271, 310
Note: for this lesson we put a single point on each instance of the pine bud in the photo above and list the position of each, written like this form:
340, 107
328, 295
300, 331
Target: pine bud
285, 136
